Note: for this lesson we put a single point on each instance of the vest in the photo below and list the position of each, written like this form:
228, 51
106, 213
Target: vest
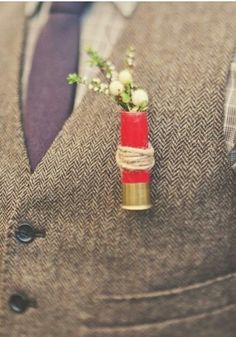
101, 271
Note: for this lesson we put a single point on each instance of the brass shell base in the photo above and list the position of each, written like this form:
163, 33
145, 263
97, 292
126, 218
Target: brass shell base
136, 196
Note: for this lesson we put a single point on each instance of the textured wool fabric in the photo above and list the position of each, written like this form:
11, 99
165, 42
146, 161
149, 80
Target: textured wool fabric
102, 271
101, 41
230, 114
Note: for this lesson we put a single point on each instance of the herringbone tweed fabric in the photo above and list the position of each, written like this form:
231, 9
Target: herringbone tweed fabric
102, 271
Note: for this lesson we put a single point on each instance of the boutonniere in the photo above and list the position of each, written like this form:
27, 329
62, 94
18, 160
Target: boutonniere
135, 155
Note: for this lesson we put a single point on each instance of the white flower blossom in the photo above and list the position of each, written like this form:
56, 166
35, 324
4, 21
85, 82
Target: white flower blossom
125, 77
139, 97
116, 88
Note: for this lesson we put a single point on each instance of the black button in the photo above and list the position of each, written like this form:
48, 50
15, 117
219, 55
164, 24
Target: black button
18, 303
26, 233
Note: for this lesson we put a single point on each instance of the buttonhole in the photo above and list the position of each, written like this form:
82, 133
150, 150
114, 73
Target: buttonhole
40, 233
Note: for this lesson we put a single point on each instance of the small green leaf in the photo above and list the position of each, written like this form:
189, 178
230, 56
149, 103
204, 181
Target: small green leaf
73, 78
95, 58
125, 97
143, 107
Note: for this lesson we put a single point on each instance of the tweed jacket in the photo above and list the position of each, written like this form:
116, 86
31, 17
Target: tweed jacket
100, 271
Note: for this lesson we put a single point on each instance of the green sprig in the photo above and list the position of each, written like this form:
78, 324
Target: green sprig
74, 78
124, 99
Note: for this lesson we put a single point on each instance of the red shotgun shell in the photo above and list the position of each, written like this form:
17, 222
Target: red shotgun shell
135, 184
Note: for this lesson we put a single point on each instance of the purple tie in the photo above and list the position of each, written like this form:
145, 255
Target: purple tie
49, 99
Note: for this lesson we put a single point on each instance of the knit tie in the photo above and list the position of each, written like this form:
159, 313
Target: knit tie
49, 99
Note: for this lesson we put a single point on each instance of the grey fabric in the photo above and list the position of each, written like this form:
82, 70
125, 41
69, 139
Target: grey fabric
102, 271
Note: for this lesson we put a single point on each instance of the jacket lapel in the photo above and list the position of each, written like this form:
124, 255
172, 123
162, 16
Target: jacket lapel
17, 90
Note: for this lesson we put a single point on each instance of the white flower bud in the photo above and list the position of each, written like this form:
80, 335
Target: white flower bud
116, 88
125, 76
103, 86
96, 80
130, 62
131, 55
114, 75
139, 97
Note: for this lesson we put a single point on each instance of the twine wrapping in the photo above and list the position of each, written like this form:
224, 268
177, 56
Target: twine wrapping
135, 159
